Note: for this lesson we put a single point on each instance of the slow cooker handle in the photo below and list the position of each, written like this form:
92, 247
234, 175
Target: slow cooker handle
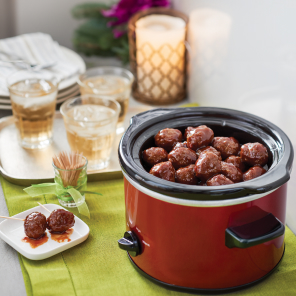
140, 118
254, 233
130, 243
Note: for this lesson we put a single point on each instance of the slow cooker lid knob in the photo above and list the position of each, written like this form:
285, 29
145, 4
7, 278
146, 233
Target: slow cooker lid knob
130, 243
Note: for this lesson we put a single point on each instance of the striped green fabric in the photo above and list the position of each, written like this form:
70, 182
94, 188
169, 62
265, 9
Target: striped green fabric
99, 267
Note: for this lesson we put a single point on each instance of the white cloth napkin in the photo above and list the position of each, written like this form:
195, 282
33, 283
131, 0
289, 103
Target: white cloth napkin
38, 49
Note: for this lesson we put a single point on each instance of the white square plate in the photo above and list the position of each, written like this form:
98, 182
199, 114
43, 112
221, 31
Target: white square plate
12, 232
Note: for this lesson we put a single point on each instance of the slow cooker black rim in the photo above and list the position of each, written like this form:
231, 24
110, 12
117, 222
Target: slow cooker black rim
277, 175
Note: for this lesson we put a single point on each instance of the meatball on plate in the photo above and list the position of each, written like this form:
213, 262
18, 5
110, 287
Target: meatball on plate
13, 232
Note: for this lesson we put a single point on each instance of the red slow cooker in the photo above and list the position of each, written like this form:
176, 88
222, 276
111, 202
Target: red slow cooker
205, 239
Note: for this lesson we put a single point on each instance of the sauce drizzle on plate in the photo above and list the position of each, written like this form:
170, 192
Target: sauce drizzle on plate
62, 237
34, 243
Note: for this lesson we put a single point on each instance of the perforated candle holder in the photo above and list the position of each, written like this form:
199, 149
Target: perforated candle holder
158, 61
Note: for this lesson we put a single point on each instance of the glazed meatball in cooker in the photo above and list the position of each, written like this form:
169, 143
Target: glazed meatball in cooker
164, 170
236, 161
60, 220
181, 144
154, 155
35, 225
186, 175
188, 130
167, 138
254, 154
181, 157
200, 137
231, 172
202, 159
219, 180
207, 165
253, 173
226, 146
208, 148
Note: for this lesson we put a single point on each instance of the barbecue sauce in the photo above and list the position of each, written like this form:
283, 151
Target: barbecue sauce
34, 243
62, 237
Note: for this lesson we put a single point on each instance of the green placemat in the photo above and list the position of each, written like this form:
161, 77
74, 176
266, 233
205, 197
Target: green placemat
99, 267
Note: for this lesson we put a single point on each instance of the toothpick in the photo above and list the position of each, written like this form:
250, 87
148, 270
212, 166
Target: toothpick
70, 162
41, 205
12, 218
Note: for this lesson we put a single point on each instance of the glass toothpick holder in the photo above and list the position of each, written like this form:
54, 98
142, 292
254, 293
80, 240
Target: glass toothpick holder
71, 178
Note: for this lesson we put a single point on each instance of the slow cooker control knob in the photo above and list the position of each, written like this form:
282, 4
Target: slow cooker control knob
130, 243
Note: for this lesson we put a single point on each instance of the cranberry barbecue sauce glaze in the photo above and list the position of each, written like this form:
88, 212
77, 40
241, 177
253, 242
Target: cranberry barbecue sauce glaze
62, 237
186, 175
60, 221
182, 157
34, 243
168, 138
207, 149
35, 225
218, 180
207, 159
164, 170
154, 155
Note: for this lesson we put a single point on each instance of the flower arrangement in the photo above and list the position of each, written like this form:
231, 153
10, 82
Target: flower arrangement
105, 31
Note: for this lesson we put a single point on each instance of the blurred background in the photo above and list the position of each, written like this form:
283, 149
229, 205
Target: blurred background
48, 16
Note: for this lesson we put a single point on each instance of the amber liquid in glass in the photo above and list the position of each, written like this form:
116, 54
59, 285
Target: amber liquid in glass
111, 86
33, 109
93, 139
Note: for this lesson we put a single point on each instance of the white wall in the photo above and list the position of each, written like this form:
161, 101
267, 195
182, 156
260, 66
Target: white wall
48, 16
6, 18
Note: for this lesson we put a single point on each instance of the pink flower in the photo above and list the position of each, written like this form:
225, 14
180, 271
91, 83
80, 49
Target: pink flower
124, 9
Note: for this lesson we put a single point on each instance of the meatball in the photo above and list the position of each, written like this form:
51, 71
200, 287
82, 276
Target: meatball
60, 220
186, 175
181, 157
254, 154
207, 165
231, 172
219, 180
35, 225
164, 170
236, 161
188, 130
208, 148
167, 138
227, 146
154, 155
200, 137
181, 144
253, 173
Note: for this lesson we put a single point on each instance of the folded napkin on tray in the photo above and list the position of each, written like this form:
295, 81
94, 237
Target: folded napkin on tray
37, 49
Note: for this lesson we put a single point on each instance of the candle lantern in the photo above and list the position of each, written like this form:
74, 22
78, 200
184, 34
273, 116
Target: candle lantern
158, 55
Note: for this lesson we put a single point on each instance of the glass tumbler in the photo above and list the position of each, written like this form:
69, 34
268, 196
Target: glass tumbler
109, 83
90, 123
67, 178
33, 99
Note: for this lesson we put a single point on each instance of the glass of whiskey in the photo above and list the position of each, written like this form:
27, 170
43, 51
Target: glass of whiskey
33, 99
90, 123
109, 82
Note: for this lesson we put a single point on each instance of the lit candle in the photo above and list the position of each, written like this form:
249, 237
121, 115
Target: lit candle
208, 36
160, 56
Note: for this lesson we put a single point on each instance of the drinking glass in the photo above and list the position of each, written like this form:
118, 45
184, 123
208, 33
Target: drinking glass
76, 178
109, 82
90, 123
33, 99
